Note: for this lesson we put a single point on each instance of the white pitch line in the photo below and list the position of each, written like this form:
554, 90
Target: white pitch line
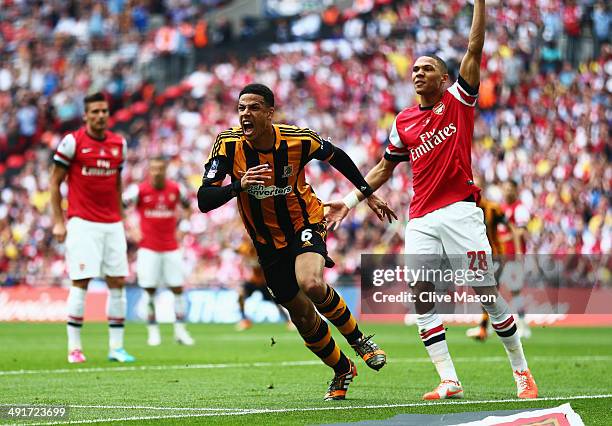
244, 412
593, 358
145, 407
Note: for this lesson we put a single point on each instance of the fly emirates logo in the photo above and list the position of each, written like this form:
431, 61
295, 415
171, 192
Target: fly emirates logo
158, 213
429, 140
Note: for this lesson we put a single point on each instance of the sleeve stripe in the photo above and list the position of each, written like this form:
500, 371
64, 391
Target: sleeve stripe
396, 152
221, 137
464, 99
216, 147
467, 96
394, 137
66, 149
60, 163
301, 132
391, 157
467, 88
61, 158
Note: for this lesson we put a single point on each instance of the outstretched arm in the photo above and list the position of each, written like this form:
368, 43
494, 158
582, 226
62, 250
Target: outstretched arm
380, 174
338, 209
343, 163
470, 65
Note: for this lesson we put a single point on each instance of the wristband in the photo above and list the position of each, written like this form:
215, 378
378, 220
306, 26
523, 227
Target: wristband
366, 190
237, 186
350, 200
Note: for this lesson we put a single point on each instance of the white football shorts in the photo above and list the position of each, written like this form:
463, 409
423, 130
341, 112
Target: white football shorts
95, 249
450, 243
159, 268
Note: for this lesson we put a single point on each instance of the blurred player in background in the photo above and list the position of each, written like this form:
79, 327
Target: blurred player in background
436, 137
91, 159
493, 218
285, 220
512, 236
256, 281
160, 260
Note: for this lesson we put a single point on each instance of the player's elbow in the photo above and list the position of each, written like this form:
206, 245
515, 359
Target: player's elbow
204, 200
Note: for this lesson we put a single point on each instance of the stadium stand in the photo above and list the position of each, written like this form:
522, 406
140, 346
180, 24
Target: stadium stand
543, 118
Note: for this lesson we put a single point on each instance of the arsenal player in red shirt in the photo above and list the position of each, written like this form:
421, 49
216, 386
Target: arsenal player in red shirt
90, 160
445, 222
160, 260
512, 235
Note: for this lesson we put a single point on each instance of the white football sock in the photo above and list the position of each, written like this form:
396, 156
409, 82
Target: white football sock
115, 309
433, 335
150, 301
76, 310
505, 327
179, 307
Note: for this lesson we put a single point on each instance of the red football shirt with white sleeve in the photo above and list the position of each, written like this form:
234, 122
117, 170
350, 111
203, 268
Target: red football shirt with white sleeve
93, 167
517, 215
437, 141
157, 209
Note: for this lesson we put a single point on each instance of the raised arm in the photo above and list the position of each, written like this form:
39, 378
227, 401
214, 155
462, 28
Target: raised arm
470, 65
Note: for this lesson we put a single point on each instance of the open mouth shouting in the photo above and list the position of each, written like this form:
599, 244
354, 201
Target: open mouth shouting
248, 127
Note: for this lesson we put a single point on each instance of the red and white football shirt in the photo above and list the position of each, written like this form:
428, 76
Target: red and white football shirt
157, 209
438, 142
518, 215
93, 169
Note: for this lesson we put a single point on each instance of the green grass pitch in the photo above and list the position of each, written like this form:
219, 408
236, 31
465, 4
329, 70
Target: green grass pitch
241, 378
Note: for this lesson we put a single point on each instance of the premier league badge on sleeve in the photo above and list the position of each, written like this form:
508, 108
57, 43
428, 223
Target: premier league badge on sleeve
213, 169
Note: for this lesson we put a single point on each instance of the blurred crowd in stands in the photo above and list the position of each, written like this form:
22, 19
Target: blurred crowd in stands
543, 118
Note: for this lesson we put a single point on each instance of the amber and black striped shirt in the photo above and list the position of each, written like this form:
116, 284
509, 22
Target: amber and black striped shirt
273, 213
493, 216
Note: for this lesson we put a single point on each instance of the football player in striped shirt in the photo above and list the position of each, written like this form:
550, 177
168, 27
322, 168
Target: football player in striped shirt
285, 220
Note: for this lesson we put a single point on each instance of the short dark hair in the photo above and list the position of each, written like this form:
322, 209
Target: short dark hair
440, 61
259, 89
94, 97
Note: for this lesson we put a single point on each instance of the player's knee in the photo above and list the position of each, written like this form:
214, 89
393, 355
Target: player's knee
82, 284
313, 286
301, 322
304, 319
488, 295
115, 282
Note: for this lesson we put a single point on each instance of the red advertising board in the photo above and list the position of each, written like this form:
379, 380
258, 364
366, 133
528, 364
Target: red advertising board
24, 303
